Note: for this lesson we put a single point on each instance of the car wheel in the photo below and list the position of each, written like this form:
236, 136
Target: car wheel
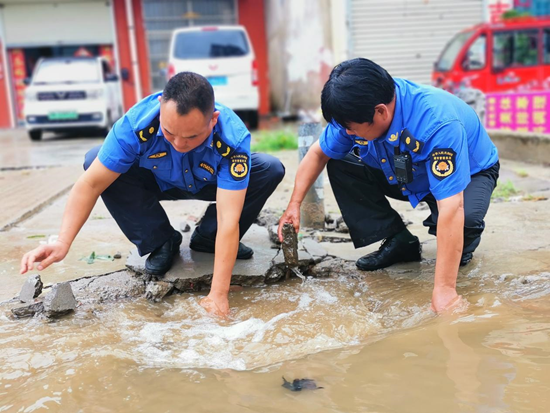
253, 119
35, 135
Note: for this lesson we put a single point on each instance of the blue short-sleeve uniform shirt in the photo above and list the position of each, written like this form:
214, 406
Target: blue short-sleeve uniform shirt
446, 140
223, 159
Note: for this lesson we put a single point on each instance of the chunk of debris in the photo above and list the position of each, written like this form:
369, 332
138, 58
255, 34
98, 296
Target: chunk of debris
28, 310
60, 300
118, 255
300, 384
185, 227
31, 289
157, 290
290, 245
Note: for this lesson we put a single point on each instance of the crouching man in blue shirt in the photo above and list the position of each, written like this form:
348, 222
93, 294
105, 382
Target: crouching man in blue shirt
393, 138
178, 144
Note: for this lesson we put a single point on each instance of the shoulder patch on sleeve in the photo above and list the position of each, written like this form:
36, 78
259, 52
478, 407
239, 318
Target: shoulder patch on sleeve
413, 144
443, 163
223, 148
151, 130
239, 166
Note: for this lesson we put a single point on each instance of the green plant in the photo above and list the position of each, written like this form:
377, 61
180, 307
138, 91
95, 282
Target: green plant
272, 141
522, 173
504, 190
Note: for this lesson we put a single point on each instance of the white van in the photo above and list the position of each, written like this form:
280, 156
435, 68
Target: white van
224, 55
71, 93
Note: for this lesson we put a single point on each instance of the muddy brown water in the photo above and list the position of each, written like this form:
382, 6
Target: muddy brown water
371, 343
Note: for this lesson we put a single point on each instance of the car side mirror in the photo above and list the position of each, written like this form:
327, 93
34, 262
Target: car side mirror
111, 77
125, 74
27, 81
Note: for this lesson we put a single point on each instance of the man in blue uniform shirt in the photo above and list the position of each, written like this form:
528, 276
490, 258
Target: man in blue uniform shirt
393, 138
178, 144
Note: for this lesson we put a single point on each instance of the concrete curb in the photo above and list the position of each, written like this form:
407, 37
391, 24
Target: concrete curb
522, 146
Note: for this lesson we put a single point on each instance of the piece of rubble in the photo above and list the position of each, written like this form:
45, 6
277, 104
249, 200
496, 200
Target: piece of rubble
268, 217
185, 227
60, 300
118, 255
157, 290
273, 232
28, 310
31, 289
290, 245
334, 237
341, 226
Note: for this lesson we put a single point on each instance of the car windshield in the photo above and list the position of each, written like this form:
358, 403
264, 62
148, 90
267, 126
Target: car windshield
210, 44
67, 71
448, 57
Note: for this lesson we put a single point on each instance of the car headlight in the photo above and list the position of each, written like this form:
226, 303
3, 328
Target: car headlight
95, 93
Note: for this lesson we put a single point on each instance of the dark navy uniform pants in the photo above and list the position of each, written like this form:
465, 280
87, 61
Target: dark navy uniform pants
133, 201
361, 192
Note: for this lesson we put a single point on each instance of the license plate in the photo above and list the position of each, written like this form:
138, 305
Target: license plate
218, 80
63, 116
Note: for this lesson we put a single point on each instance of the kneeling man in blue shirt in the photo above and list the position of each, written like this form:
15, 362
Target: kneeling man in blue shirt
393, 138
176, 144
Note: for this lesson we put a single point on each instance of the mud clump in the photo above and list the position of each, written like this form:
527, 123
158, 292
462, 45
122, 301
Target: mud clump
290, 245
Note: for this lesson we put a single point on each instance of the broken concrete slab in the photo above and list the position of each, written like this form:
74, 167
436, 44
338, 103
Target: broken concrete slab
157, 290
60, 300
316, 251
192, 271
335, 237
108, 287
28, 310
31, 289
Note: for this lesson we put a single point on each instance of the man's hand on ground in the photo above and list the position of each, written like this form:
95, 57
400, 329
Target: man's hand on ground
291, 216
445, 299
45, 255
216, 304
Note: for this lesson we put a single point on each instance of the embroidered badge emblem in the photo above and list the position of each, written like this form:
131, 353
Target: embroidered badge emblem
443, 163
239, 166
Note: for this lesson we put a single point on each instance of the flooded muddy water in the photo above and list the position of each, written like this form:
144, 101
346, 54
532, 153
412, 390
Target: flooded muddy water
372, 344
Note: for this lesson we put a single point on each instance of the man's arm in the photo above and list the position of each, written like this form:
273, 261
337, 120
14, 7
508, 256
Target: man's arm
450, 241
308, 171
81, 201
230, 206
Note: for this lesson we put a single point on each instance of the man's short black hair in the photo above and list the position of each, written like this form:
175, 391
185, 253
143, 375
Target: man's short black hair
190, 91
355, 87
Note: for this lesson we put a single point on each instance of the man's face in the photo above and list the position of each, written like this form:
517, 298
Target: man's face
380, 124
185, 132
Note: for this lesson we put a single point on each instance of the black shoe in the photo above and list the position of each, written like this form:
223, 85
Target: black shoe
202, 244
160, 260
390, 252
466, 258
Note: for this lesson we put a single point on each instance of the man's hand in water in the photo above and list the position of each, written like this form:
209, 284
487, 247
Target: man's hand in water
216, 304
445, 299
45, 255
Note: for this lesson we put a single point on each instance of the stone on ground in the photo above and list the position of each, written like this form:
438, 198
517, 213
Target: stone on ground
31, 289
60, 300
